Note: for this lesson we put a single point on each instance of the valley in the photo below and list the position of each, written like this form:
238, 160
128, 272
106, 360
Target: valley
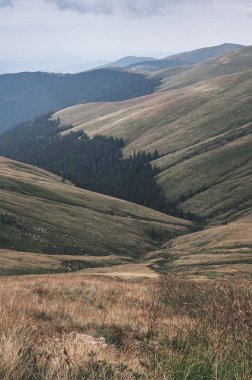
202, 128
126, 220
39, 213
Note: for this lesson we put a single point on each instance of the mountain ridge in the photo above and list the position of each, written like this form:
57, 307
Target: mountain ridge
186, 58
126, 61
27, 95
196, 124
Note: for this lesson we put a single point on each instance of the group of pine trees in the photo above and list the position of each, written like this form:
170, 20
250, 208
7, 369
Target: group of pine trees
95, 164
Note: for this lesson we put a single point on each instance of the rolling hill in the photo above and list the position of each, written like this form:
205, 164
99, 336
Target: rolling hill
237, 61
185, 59
39, 213
75, 230
216, 251
203, 127
26, 95
201, 122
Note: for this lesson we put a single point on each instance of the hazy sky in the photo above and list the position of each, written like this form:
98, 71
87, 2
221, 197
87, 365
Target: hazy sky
64, 34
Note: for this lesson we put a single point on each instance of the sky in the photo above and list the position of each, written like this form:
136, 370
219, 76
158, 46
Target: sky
74, 35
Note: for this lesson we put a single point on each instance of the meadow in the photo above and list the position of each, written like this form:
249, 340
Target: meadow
78, 326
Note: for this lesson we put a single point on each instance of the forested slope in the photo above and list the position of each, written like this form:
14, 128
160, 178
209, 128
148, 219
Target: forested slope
26, 95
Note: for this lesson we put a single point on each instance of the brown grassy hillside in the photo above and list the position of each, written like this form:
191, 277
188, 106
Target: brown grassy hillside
216, 251
237, 61
40, 213
21, 263
203, 129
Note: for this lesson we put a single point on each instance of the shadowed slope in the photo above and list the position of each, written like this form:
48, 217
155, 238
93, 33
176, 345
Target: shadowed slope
26, 95
39, 213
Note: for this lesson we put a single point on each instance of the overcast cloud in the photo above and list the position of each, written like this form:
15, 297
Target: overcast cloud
6, 3
146, 7
139, 7
63, 34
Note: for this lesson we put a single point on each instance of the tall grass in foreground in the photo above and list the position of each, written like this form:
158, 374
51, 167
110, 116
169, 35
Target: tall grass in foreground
171, 330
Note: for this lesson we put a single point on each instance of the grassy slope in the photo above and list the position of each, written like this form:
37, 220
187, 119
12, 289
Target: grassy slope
234, 62
203, 128
219, 250
38, 213
16, 263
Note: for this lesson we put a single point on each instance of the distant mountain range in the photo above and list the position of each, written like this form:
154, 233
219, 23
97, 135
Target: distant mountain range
185, 59
127, 61
182, 59
26, 95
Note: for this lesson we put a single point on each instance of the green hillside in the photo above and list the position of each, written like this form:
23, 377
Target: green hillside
216, 251
234, 62
39, 213
203, 129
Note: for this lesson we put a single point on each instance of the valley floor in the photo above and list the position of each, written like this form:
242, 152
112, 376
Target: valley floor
217, 251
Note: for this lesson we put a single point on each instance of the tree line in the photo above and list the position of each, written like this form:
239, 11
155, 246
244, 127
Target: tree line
95, 164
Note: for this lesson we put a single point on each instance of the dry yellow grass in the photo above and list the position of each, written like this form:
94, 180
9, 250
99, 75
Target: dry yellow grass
50, 328
124, 271
48, 312
13, 262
